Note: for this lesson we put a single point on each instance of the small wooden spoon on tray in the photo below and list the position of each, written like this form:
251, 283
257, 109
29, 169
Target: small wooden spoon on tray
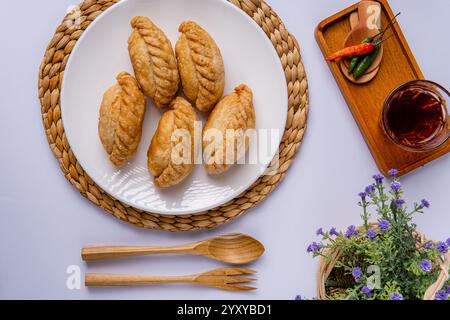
364, 23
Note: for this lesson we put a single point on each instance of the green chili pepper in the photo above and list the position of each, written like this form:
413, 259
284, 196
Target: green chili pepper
366, 62
354, 62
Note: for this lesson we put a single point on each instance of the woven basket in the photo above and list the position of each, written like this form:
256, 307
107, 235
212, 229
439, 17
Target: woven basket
327, 263
51, 76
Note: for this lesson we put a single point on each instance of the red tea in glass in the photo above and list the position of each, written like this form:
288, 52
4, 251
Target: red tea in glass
415, 115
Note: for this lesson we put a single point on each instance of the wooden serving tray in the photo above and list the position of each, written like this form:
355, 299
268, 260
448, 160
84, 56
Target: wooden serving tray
366, 101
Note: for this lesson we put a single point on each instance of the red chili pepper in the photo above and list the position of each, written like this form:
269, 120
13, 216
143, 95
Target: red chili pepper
358, 50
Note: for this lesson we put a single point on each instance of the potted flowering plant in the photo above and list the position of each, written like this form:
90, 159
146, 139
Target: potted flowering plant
387, 259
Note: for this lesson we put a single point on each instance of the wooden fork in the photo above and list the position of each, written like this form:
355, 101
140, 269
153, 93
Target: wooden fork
224, 278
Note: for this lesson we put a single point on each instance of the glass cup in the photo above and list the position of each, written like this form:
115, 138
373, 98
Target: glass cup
415, 116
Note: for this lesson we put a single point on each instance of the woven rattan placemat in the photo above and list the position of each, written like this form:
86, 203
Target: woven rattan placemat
50, 78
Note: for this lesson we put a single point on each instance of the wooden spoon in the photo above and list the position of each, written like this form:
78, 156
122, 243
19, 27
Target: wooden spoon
354, 21
231, 248
359, 23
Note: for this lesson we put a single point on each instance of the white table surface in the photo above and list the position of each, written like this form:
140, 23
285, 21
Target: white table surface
44, 221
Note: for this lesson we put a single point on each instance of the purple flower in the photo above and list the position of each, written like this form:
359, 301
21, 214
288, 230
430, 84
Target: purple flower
442, 247
357, 273
399, 203
320, 232
447, 289
448, 242
378, 178
425, 265
370, 190
393, 172
428, 245
333, 232
366, 290
396, 186
314, 247
363, 196
384, 225
298, 297
396, 296
424, 204
441, 295
371, 233
351, 231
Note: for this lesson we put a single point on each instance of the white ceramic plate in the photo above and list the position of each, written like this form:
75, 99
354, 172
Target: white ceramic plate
101, 53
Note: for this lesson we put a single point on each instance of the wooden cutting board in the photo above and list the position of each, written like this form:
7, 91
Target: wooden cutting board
366, 100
